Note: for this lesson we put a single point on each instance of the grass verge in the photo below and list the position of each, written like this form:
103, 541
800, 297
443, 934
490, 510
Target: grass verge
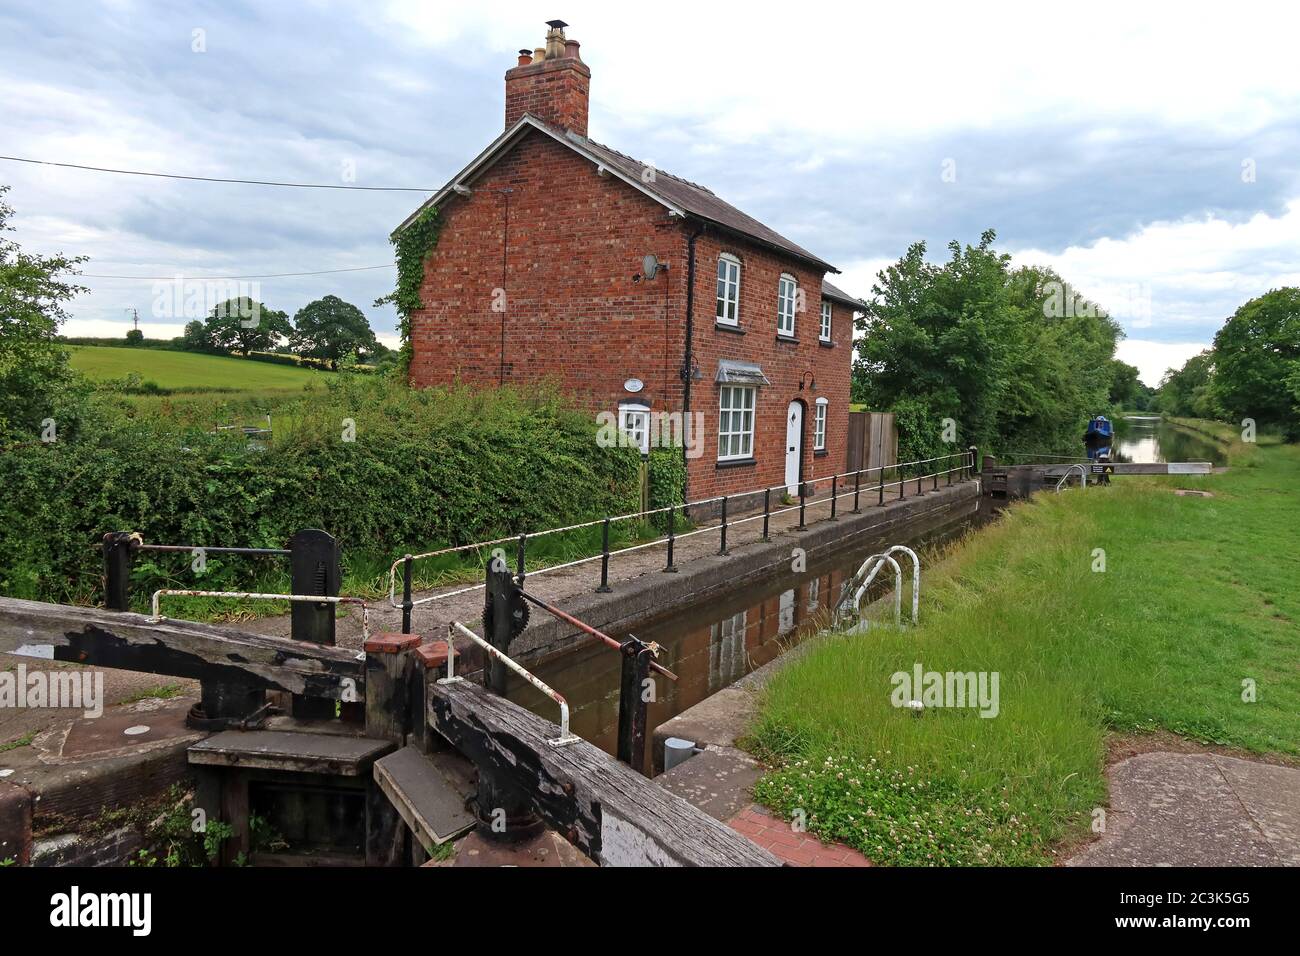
1196, 605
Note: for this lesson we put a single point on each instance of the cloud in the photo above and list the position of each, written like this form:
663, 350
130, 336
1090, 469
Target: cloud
1153, 359
1108, 145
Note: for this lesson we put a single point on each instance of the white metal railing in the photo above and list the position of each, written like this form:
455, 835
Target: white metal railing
867, 572
1083, 473
255, 596
565, 737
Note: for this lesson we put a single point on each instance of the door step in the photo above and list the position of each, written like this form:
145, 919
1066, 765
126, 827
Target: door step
429, 791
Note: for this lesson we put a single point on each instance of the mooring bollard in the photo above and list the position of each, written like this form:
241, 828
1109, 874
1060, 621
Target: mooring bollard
604, 559
722, 545
633, 702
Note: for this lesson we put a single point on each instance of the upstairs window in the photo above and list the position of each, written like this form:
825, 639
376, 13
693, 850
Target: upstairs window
819, 426
728, 289
785, 295
735, 422
825, 333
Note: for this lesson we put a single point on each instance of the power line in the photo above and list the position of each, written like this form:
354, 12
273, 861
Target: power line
216, 179
271, 275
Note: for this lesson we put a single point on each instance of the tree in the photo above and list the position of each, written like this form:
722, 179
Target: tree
1125, 389
134, 337
246, 325
1186, 391
332, 330
196, 338
1255, 354
36, 381
1015, 359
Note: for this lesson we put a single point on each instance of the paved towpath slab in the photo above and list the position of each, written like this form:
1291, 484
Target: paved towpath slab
1198, 809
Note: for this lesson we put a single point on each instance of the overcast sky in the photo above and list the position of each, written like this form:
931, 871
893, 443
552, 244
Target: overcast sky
1150, 153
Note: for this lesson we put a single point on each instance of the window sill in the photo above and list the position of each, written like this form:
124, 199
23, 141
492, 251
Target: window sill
825, 344
738, 463
821, 452
788, 339
725, 327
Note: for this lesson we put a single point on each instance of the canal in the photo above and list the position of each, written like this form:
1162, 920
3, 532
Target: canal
713, 645
1146, 439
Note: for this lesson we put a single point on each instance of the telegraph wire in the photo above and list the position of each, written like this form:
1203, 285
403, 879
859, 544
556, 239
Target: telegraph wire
216, 179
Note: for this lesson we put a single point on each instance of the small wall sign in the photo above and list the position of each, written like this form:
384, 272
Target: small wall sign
634, 385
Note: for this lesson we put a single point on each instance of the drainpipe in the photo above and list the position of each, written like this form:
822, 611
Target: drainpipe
687, 364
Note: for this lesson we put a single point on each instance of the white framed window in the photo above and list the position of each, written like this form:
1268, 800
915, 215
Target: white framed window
785, 293
819, 426
634, 421
735, 422
825, 332
728, 289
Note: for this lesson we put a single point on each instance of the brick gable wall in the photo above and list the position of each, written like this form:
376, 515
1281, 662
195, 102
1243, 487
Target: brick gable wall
574, 315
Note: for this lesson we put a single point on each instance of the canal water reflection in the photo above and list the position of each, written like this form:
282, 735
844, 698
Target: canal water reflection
1147, 439
713, 645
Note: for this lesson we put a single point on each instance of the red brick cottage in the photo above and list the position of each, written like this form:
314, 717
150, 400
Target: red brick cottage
541, 271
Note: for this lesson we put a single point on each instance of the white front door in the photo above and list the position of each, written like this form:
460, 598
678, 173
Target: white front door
793, 446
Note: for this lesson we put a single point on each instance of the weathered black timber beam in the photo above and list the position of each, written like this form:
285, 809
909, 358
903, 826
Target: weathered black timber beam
84, 635
609, 811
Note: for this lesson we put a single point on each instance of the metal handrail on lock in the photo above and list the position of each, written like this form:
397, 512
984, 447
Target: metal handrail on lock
1083, 473
867, 573
565, 737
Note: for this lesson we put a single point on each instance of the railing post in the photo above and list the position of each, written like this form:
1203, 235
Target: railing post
834, 493
722, 544
936, 478
519, 559
501, 603
881, 478
803, 499
407, 603
974, 460
767, 513
604, 559
857, 486
313, 569
919, 479
633, 703
117, 570
672, 538
902, 484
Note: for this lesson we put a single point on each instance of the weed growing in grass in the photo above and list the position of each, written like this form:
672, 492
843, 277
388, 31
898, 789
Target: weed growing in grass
900, 817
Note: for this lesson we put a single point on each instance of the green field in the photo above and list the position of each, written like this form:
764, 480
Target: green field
1112, 611
190, 371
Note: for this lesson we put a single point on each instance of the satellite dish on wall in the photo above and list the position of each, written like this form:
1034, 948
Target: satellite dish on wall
649, 266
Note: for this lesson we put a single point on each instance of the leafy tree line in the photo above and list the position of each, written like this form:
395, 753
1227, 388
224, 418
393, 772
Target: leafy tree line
328, 331
972, 351
1251, 371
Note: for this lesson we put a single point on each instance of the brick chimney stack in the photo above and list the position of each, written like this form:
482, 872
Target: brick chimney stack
554, 85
